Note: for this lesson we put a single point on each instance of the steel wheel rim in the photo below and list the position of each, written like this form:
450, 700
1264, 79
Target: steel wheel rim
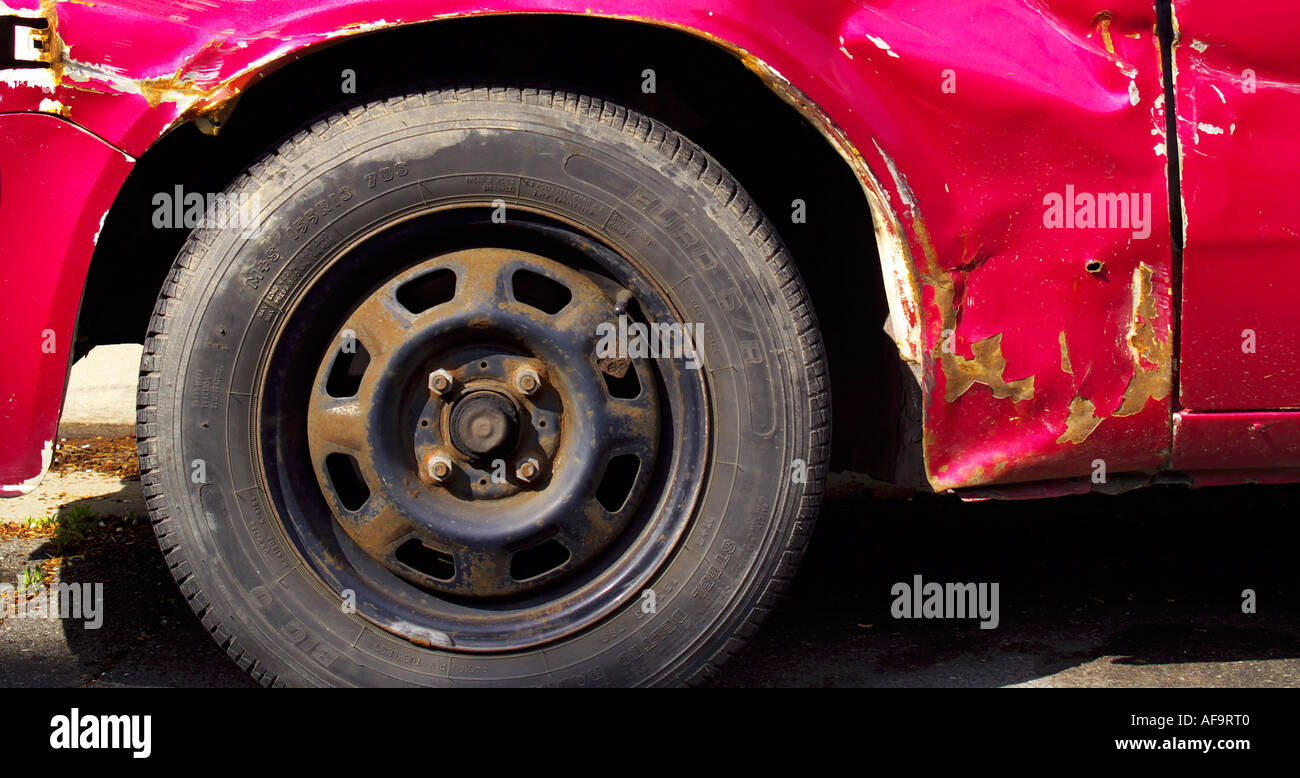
459, 610
482, 518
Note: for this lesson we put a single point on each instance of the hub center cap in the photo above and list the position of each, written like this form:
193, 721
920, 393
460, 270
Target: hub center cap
484, 423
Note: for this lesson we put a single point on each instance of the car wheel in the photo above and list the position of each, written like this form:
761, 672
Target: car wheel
490, 385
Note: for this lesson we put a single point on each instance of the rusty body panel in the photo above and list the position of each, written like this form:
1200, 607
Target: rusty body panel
1037, 364
1013, 152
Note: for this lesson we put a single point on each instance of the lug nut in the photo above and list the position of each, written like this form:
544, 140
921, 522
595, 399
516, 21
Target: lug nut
441, 382
527, 380
529, 470
441, 468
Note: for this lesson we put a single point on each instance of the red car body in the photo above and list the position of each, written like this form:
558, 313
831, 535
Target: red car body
1040, 346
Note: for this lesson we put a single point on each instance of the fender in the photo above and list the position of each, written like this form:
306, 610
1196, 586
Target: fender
1039, 347
54, 198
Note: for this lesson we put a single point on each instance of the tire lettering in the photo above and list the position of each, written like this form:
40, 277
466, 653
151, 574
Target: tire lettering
303, 224
661, 632
297, 635
385, 174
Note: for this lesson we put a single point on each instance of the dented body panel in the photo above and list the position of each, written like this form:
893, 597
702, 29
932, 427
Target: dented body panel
991, 137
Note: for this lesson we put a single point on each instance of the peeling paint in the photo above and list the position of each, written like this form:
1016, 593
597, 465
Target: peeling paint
53, 106
33, 77
177, 88
880, 44
95, 240
985, 368
1081, 422
1102, 21
358, 27
1152, 368
900, 182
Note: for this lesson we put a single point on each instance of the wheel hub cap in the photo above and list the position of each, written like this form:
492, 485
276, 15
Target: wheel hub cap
484, 423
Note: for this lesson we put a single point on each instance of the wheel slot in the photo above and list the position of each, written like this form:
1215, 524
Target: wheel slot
349, 366
626, 387
424, 559
616, 484
538, 291
538, 560
349, 484
429, 290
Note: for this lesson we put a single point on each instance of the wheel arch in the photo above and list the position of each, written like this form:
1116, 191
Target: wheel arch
742, 115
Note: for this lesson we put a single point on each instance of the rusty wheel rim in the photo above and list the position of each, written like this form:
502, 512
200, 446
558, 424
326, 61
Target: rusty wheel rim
524, 490
465, 397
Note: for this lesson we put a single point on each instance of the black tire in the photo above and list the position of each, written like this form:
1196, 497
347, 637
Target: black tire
210, 390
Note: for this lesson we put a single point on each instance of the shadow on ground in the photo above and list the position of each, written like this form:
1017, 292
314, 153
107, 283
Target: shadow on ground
1142, 589
148, 636
1094, 590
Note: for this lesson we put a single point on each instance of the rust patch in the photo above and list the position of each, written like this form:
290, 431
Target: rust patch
986, 368
1152, 377
1081, 422
177, 88
1152, 369
1102, 21
53, 44
987, 364
66, 71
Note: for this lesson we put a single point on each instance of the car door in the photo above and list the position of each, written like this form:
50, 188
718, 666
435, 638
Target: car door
1237, 89
1238, 105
